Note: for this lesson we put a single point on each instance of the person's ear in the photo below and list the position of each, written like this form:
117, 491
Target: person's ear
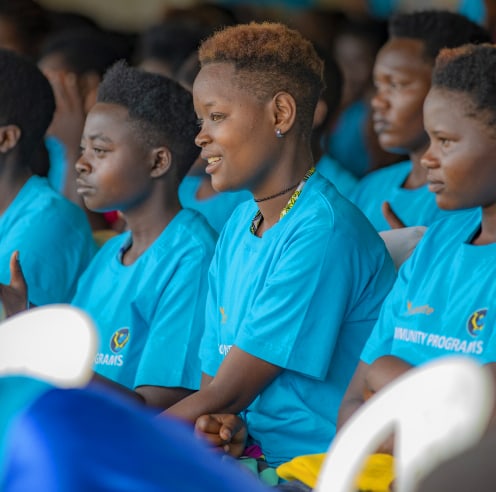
88, 84
161, 161
284, 106
9, 137
320, 114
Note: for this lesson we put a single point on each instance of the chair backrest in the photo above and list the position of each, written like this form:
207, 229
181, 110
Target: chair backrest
435, 410
55, 343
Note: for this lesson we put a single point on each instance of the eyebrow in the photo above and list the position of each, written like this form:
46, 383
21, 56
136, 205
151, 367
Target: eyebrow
99, 136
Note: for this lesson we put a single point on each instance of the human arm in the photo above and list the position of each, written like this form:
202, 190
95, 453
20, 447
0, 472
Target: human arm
14, 296
240, 379
392, 219
152, 396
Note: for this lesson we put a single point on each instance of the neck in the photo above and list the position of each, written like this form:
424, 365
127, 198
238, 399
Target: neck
146, 223
487, 233
10, 185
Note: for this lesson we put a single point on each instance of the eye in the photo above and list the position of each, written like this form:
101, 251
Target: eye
99, 152
199, 122
216, 116
444, 141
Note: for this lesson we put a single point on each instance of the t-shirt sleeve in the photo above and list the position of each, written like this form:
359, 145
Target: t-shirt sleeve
297, 317
170, 355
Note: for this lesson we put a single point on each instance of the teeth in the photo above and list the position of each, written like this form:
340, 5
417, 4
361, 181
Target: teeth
211, 160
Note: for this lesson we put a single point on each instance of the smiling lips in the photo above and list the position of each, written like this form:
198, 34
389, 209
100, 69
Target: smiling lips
212, 164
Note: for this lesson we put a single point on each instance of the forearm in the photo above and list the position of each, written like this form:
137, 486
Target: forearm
210, 399
239, 380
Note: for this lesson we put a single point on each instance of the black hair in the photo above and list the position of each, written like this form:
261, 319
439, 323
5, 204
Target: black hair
470, 69
26, 100
84, 50
437, 29
31, 23
170, 43
160, 109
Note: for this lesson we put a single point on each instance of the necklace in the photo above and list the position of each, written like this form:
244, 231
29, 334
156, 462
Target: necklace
283, 192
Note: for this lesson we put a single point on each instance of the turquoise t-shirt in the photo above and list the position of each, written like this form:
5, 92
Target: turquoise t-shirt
54, 240
413, 207
342, 179
150, 315
303, 297
217, 208
443, 301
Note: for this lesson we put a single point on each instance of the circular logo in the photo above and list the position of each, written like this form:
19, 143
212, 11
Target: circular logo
475, 322
119, 340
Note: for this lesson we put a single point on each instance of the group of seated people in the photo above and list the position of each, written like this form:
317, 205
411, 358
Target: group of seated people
267, 330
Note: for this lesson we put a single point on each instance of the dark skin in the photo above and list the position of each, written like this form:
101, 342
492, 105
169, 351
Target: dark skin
460, 166
116, 170
402, 79
263, 164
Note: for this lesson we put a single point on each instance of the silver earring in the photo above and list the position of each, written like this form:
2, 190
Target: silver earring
279, 133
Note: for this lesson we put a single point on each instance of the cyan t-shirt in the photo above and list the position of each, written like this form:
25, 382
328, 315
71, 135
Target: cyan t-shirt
443, 301
304, 297
54, 240
412, 206
150, 315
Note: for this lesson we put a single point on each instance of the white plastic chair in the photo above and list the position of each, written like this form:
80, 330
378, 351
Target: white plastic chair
436, 411
55, 343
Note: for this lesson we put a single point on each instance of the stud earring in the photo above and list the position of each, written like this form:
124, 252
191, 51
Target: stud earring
279, 133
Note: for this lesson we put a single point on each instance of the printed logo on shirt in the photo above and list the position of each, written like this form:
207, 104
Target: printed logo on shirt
475, 322
224, 349
119, 340
413, 310
441, 342
223, 320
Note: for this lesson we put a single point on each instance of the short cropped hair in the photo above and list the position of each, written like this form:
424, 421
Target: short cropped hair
26, 100
437, 29
160, 109
471, 70
270, 57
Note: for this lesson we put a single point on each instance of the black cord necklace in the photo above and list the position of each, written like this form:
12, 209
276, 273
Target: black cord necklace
283, 192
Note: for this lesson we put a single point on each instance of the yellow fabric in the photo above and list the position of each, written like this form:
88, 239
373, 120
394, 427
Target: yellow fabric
376, 476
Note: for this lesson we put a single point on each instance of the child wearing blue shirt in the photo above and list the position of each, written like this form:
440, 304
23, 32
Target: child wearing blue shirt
443, 300
402, 76
146, 288
299, 274
51, 235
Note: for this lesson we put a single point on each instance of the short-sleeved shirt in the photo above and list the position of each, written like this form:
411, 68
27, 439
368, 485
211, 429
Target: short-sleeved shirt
340, 177
54, 240
443, 301
217, 208
150, 315
413, 206
303, 297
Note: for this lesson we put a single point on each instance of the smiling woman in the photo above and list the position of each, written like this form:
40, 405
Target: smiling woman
274, 347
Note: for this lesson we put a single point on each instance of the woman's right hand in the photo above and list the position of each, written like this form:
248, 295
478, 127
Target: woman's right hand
224, 430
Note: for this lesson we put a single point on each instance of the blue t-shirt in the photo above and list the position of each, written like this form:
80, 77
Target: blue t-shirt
413, 207
54, 240
347, 142
303, 297
443, 301
150, 315
342, 179
90, 439
217, 208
